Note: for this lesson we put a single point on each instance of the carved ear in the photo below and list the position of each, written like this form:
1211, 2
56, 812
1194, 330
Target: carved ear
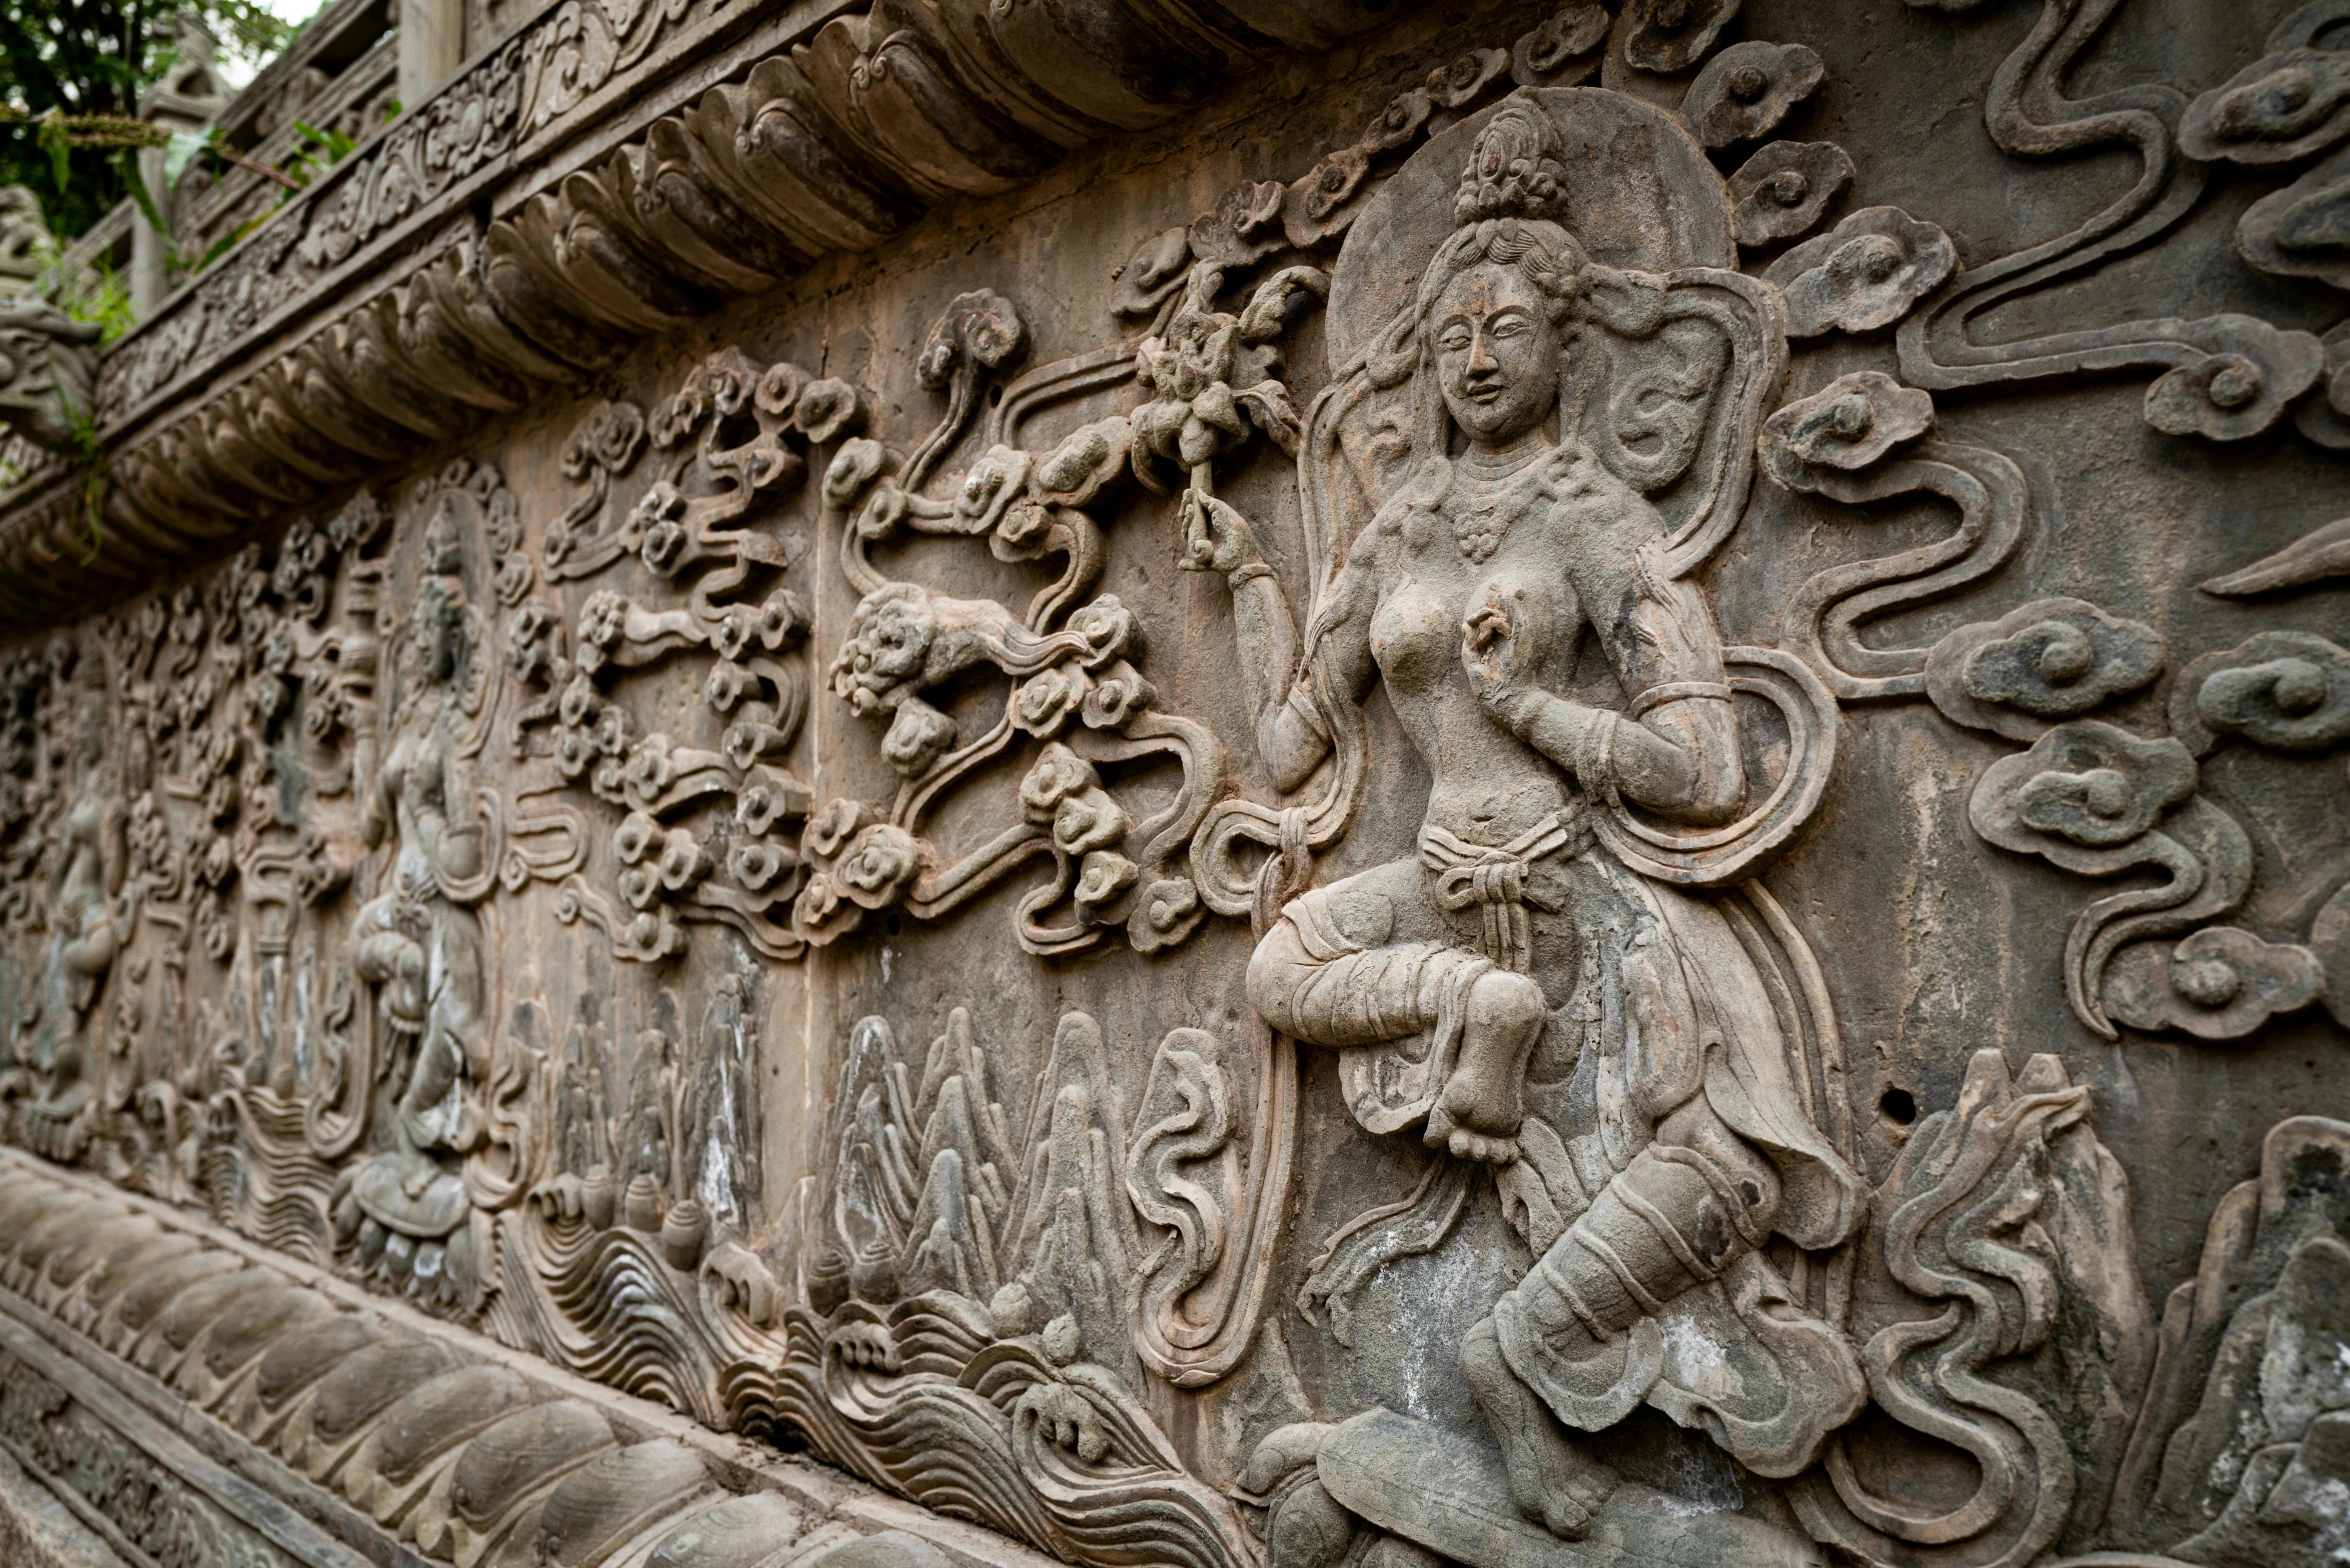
1674, 378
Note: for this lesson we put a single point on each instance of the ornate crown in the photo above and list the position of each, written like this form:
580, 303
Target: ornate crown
1516, 170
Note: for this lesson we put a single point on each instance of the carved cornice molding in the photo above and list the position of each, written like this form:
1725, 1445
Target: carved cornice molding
833, 144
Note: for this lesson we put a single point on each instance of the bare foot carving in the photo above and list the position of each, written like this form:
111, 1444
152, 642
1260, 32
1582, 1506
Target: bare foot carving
1477, 1115
1550, 1479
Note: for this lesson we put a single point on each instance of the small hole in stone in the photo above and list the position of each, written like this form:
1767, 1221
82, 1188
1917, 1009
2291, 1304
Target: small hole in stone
896, 925
995, 396
1899, 1105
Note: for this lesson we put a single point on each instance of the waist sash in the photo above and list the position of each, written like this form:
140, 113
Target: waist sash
1496, 880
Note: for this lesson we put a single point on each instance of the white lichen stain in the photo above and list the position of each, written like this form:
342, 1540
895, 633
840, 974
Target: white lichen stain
2327, 1505
1934, 981
1695, 1361
1433, 1351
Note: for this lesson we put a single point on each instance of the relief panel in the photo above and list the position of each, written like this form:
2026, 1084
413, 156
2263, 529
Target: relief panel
1598, 822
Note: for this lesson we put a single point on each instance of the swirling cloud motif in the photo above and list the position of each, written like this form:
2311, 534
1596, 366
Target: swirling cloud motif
2325, 418
2098, 801
2278, 109
1783, 190
2241, 387
1746, 90
1564, 50
1863, 274
2303, 231
2289, 691
1847, 425
1157, 269
2050, 659
2329, 941
1673, 35
2093, 783
2221, 983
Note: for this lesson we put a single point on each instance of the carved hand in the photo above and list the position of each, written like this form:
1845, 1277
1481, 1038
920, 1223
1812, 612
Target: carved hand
1489, 652
1558, 728
1215, 537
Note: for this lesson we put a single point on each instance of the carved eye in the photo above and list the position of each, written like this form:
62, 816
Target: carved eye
1454, 338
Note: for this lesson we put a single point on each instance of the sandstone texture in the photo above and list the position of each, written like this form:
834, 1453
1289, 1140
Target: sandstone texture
1208, 785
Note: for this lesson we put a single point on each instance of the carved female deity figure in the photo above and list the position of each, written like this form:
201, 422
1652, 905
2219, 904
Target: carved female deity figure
1514, 990
83, 929
420, 945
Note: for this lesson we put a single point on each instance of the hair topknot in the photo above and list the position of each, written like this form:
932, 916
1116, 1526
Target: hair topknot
1515, 170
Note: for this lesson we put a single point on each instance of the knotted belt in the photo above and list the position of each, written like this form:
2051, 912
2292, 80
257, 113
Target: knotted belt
1495, 880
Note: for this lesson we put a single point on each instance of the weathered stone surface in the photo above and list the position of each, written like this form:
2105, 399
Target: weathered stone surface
1509, 785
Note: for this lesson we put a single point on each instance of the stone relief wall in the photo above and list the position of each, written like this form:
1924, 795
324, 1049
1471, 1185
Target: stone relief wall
1588, 814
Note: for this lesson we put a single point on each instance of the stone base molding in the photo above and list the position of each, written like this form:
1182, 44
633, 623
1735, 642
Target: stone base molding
196, 1402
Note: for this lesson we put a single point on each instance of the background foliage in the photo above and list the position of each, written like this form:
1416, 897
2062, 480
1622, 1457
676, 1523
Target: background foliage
95, 57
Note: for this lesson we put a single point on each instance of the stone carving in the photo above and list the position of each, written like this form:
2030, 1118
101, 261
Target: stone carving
974, 1277
2047, 1318
25, 241
1388, 886
419, 947
744, 189
48, 367
1436, 977
155, 1513
1747, 89
452, 1459
2228, 376
2230, 1458
1783, 190
1074, 688
736, 438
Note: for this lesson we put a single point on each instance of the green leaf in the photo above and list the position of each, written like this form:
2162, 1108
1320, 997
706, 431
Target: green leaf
222, 246
57, 143
179, 152
126, 162
335, 144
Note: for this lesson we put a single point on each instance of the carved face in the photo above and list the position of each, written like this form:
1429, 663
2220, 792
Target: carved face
1497, 355
436, 635
90, 735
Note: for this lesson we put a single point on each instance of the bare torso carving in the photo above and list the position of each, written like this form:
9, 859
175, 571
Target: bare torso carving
1513, 992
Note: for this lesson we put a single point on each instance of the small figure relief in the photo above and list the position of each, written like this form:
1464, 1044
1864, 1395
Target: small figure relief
59, 1023
419, 944
1515, 994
